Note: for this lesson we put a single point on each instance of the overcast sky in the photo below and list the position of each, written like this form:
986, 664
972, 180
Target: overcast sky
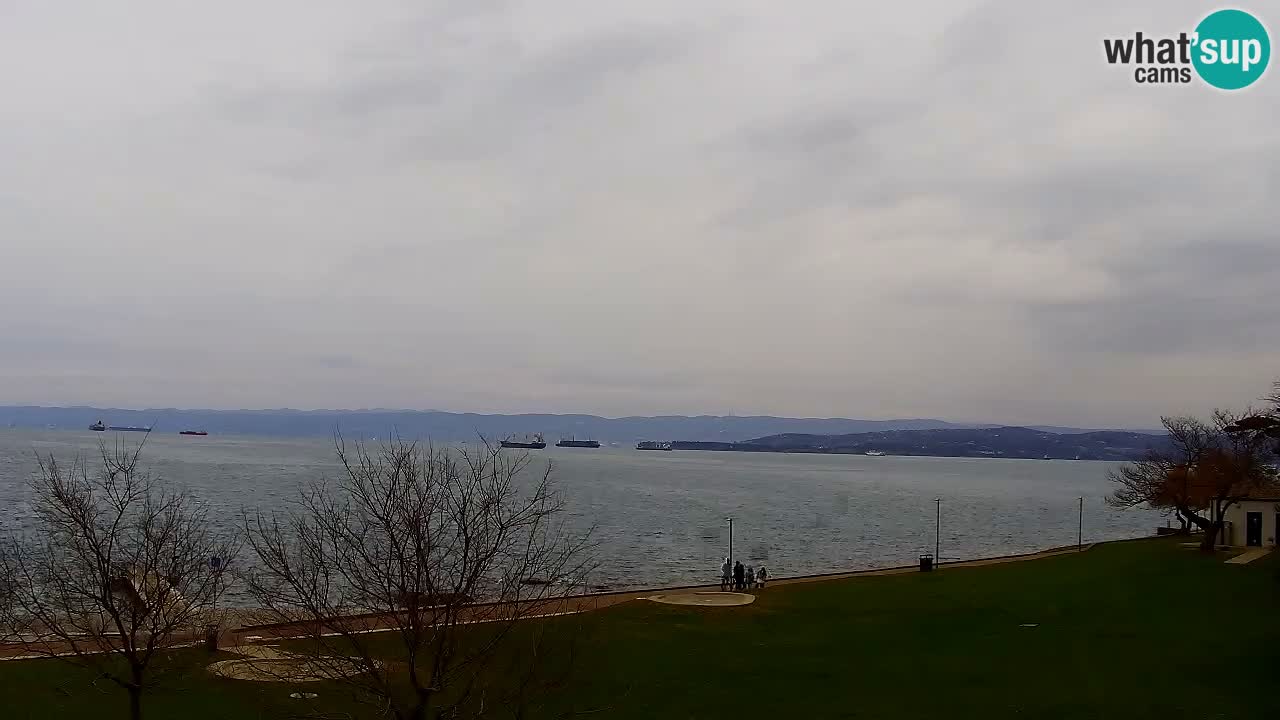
921, 209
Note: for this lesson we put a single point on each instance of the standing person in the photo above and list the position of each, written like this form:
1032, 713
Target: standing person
751, 577
739, 576
726, 572
761, 576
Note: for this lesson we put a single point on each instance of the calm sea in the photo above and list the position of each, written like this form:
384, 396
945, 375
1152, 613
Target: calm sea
660, 517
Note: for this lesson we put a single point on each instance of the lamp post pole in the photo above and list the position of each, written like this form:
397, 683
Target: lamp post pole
937, 533
730, 519
1080, 527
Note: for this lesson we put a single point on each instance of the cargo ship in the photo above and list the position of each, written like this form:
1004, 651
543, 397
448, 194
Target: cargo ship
530, 442
652, 445
578, 443
101, 427
193, 432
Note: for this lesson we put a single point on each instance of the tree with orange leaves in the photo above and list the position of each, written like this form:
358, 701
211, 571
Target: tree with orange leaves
1207, 468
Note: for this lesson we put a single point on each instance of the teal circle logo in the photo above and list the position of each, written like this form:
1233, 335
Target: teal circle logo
1232, 49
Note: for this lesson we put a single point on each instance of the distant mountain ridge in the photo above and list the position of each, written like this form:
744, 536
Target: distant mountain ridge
991, 442
448, 426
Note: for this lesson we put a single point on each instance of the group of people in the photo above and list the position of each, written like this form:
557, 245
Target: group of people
741, 578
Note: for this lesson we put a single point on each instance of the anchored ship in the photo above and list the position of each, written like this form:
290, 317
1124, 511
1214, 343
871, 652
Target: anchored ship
578, 443
652, 445
529, 442
100, 427
875, 453
193, 432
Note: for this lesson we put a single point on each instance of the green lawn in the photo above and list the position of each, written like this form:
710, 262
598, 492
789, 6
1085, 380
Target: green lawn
1127, 630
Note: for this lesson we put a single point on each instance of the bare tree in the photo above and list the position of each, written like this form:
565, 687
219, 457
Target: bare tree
117, 571
447, 550
1261, 427
1207, 468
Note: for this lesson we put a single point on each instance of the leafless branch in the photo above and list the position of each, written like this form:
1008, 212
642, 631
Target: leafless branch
447, 550
120, 567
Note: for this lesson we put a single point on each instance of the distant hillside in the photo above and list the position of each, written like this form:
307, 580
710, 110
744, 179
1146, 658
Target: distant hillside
446, 425
1004, 442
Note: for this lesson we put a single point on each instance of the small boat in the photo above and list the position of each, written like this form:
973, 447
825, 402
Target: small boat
651, 445
571, 443
874, 453
193, 432
529, 442
98, 426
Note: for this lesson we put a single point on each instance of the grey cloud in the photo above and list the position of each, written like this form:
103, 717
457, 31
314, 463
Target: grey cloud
338, 362
1158, 324
1207, 296
584, 67
810, 158
354, 98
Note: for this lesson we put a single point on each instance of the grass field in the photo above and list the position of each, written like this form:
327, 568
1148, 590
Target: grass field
1126, 630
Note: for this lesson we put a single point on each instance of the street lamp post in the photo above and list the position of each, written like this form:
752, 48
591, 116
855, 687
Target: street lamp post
730, 519
937, 533
1080, 527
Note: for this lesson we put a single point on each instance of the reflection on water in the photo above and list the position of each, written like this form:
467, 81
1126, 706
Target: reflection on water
659, 518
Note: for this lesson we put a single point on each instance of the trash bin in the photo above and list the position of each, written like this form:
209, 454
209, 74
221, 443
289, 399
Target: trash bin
926, 563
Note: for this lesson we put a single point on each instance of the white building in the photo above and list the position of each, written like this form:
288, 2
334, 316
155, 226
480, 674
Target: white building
1254, 522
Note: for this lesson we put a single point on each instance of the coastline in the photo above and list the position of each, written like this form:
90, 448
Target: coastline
243, 628
249, 632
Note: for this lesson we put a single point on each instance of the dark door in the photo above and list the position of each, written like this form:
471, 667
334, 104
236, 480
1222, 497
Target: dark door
1253, 529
